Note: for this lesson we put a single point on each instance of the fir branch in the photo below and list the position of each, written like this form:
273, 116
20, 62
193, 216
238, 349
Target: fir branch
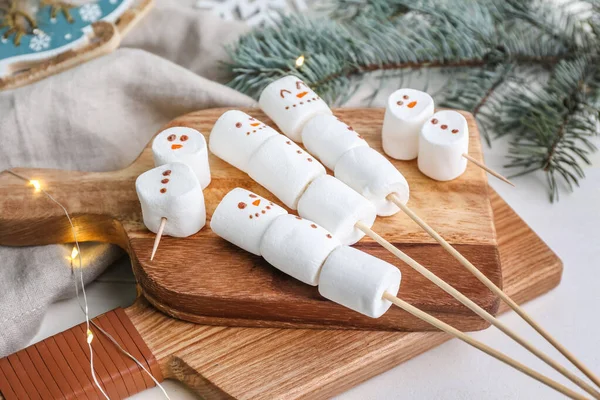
548, 18
555, 125
335, 53
498, 52
474, 91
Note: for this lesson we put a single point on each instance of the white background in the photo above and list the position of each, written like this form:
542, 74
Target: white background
455, 370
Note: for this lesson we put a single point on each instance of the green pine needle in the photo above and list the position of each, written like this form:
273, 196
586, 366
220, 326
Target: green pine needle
524, 68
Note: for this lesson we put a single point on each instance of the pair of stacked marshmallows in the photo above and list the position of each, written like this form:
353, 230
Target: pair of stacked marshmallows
306, 251
173, 189
411, 129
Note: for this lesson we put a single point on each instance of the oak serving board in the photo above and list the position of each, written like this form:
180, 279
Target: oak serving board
207, 280
219, 362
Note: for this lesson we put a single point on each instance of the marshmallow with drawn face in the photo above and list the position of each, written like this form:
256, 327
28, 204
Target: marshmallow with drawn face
406, 112
443, 140
336, 207
184, 145
171, 191
236, 136
328, 138
243, 217
290, 103
358, 280
298, 247
284, 169
307, 252
371, 174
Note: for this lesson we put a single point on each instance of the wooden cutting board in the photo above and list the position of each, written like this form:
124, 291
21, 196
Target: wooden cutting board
220, 362
206, 280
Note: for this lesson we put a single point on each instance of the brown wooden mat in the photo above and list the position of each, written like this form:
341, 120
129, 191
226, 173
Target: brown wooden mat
59, 367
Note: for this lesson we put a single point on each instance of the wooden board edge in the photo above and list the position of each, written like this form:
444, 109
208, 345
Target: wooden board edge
409, 345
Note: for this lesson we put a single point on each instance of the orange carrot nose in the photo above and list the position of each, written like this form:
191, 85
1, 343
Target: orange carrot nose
411, 104
255, 124
301, 95
256, 202
176, 146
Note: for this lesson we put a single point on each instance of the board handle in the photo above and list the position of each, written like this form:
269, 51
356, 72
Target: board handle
59, 367
97, 202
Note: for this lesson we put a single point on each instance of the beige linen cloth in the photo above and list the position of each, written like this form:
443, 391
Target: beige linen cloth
98, 117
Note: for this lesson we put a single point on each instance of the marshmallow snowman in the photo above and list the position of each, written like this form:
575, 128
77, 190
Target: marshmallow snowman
335, 206
444, 139
243, 217
171, 191
290, 103
406, 112
328, 138
284, 169
185, 145
371, 174
298, 247
358, 281
307, 252
236, 136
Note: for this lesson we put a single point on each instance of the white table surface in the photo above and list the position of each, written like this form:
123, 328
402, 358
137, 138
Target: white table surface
454, 370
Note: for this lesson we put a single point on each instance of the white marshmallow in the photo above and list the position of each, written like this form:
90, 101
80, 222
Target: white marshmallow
243, 217
171, 191
290, 103
298, 247
327, 138
184, 145
443, 141
371, 174
358, 280
337, 208
406, 112
284, 169
236, 136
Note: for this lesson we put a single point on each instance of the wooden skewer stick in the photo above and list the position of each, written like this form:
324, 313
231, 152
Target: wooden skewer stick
496, 290
481, 346
163, 222
487, 169
476, 308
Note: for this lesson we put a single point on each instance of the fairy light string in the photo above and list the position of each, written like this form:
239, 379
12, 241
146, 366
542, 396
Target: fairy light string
76, 253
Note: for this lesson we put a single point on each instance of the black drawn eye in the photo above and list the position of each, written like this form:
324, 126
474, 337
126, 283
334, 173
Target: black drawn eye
282, 91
